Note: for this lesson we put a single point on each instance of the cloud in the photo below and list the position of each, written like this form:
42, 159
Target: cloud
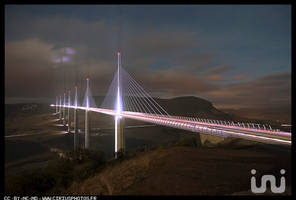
265, 91
220, 69
100, 39
89, 38
239, 77
31, 50
170, 82
215, 77
157, 43
217, 73
28, 68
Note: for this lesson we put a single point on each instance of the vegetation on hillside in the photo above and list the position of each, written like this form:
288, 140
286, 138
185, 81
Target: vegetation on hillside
75, 166
57, 175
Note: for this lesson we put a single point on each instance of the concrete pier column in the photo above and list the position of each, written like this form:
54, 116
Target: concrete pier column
69, 120
75, 119
57, 110
76, 142
64, 115
119, 137
60, 110
86, 130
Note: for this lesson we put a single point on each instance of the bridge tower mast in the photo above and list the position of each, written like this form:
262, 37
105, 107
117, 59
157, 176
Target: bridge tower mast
119, 121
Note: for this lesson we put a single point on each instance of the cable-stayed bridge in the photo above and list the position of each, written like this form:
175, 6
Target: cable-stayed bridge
127, 99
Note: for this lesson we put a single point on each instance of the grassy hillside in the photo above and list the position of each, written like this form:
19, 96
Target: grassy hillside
187, 169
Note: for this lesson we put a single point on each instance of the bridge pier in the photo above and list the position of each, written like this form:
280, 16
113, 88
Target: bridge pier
86, 131
69, 121
60, 110
69, 104
119, 137
57, 110
64, 116
76, 142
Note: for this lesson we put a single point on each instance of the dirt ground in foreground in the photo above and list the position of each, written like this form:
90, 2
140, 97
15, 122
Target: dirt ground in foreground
210, 171
184, 170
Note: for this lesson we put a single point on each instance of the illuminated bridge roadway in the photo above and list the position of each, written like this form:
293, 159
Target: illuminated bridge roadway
222, 130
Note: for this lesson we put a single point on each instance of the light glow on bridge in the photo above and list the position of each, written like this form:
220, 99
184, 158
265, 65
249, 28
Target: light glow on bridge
119, 97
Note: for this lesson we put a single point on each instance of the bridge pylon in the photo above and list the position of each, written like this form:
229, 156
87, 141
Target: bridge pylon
119, 121
86, 125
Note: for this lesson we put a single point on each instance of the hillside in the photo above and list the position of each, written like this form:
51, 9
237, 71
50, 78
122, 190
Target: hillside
188, 170
189, 106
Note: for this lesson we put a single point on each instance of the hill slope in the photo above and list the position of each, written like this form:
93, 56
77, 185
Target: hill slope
189, 106
186, 170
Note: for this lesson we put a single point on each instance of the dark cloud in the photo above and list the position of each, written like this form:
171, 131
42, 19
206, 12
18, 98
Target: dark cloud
220, 69
28, 69
215, 77
170, 82
265, 91
239, 77
99, 40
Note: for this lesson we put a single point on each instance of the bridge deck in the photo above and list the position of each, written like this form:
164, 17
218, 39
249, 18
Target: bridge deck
266, 136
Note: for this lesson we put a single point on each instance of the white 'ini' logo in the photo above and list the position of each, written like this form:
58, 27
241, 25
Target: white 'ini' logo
264, 180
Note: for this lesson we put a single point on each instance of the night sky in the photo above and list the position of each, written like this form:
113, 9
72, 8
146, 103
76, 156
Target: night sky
234, 56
